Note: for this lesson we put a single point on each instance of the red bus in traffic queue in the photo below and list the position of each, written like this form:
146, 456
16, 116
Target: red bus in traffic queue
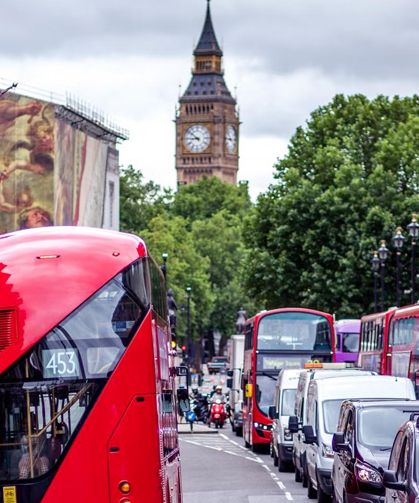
374, 341
403, 350
276, 339
87, 404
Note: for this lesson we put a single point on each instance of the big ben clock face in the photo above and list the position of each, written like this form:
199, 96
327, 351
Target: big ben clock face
197, 138
231, 139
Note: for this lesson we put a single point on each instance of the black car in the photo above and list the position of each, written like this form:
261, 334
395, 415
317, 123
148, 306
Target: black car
362, 446
401, 480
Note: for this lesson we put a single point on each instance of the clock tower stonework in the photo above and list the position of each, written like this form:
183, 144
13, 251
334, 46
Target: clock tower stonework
207, 122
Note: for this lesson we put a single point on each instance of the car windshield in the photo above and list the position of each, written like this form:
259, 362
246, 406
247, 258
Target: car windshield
350, 342
265, 392
376, 433
288, 401
294, 331
331, 409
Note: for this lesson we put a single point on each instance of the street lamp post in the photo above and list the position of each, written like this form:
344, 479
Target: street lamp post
189, 326
382, 254
375, 265
398, 241
413, 229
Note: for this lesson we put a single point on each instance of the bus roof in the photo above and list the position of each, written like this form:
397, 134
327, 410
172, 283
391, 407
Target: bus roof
376, 316
46, 273
264, 313
405, 311
345, 325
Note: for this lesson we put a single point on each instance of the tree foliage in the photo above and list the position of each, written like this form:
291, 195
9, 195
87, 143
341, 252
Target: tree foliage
350, 177
201, 229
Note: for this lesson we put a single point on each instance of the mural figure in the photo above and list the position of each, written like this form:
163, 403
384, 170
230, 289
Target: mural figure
26, 158
34, 217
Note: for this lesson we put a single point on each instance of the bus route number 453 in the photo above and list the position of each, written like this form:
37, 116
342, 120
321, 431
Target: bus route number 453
59, 363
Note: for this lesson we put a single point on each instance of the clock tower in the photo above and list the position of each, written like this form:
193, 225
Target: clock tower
207, 122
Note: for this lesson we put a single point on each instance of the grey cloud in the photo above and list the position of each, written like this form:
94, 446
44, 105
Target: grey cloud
366, 38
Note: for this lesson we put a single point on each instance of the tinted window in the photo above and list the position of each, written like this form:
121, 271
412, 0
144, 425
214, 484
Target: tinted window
158, 290
288, 402
331, 410
350, 342
293, 331
373, 432
265, 392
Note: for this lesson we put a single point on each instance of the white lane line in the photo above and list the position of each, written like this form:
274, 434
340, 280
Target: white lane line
288, 496
281, 485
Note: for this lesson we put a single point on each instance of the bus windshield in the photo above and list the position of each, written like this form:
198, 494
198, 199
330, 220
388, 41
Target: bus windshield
265, 391
350, 342
294, 331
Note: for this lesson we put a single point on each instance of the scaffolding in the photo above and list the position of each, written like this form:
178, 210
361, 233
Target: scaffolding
77, 112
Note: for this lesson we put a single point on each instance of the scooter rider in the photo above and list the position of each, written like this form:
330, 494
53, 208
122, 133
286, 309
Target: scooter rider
218, 395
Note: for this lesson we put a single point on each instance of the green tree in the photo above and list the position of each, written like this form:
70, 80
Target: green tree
140, 201
350, 176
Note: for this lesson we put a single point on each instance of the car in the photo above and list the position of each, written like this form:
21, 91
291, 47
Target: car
217, 364
317, 371
285, 391
324, 399
237, 420
362, 447
401, 480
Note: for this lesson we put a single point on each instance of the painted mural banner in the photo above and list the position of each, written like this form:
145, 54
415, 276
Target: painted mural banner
27, 156
51, 172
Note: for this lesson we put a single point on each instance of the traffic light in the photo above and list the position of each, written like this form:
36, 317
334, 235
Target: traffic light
173, 344
183, 348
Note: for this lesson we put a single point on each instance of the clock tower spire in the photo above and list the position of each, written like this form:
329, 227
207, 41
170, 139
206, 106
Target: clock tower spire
207, 122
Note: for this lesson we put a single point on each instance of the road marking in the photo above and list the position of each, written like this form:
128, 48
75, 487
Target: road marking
219, 444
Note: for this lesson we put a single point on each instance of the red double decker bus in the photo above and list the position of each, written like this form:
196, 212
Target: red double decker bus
286, 337
87, 403
403, 350
374, 341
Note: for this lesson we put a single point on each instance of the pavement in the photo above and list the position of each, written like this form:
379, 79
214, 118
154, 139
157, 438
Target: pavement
197, 429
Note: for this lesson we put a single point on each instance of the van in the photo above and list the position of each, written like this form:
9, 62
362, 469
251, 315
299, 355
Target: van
285, 391
324, 399
300, 418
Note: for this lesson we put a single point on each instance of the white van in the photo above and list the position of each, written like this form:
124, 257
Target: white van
327, 371
324, 399
285, 391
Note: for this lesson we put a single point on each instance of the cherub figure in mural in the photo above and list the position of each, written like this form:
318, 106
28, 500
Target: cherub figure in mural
40, 147
10, 111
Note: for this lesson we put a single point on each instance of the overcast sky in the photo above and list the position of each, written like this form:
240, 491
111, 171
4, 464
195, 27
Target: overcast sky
285, 57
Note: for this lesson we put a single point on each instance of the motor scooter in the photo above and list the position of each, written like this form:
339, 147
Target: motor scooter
218, 414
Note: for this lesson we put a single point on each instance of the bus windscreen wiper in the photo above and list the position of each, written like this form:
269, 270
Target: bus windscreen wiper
269, 375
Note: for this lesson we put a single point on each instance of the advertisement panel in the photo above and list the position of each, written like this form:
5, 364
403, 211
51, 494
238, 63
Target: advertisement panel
27, 158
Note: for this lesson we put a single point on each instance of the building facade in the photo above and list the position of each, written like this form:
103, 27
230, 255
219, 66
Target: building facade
58, 164
207, 121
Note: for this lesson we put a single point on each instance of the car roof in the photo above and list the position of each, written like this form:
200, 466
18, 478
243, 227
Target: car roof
372, 383
368, 403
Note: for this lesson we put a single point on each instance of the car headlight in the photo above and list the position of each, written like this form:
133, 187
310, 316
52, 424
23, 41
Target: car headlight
261, 426
367, 474
287, 434
327, 451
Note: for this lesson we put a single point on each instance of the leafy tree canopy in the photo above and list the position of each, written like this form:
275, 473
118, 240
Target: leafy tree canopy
350, 177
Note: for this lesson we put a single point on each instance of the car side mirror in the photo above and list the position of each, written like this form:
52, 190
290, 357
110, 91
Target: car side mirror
339, 444
293, 424
390, 481
309, 436
229, 382
272, 412
230, 373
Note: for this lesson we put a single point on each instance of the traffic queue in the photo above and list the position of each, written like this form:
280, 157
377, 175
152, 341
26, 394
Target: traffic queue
335, 401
